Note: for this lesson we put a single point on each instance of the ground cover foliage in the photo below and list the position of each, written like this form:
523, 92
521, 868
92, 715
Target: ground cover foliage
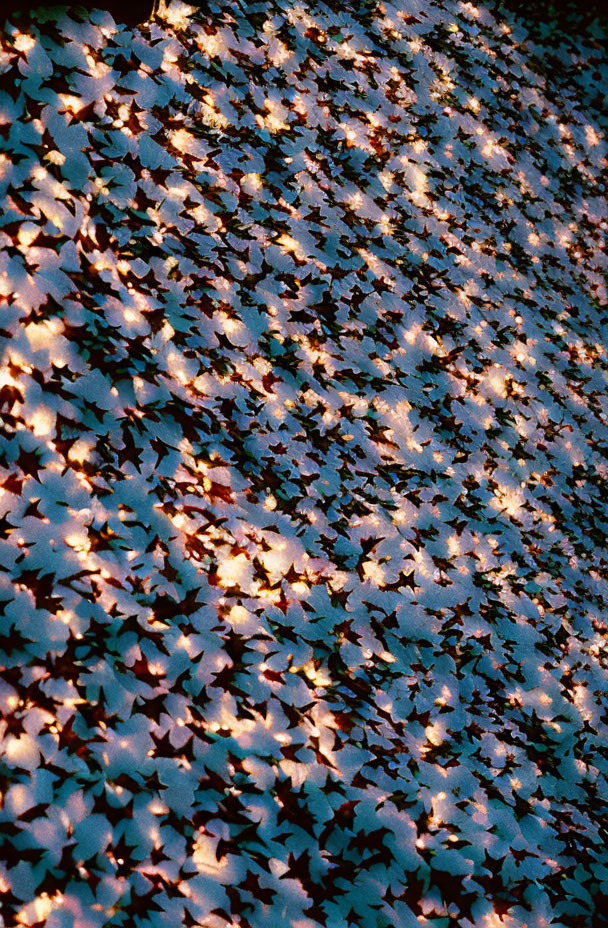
303, 470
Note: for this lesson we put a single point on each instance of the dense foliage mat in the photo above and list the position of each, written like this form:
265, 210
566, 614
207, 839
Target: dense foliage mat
303, 470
